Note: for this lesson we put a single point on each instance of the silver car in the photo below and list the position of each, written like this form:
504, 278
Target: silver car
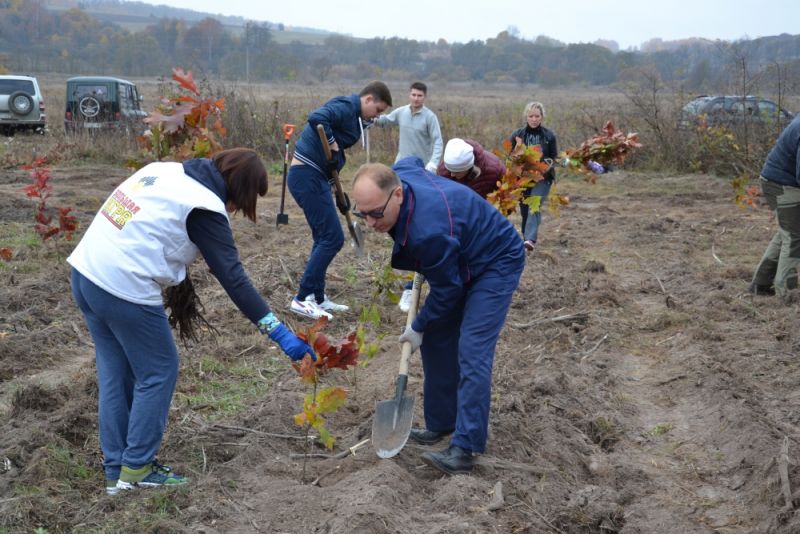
21, 105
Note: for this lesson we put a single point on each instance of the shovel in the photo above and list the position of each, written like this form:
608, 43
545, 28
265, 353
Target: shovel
352, 227
283, 218
392, 423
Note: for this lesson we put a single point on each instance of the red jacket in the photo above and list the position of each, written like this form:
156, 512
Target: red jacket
483, 180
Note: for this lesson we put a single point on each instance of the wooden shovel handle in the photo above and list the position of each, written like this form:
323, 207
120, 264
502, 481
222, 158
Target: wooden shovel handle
405, 351
337, 188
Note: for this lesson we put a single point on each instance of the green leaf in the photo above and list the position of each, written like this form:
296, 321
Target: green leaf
325, 437
330, 399
534, 202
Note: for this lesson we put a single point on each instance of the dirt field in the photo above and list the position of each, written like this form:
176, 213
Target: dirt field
638, 387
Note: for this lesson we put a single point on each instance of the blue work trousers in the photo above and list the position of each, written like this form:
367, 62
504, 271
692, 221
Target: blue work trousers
457, 358
532, 219
137, 368
312, 192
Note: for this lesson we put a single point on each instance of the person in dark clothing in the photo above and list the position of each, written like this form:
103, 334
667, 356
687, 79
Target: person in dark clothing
780, 185
467, 162
533, 133
344, 119
149, 230
472, 259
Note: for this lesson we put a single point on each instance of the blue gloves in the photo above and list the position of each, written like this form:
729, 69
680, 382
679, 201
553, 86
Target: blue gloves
413, 337
294, 347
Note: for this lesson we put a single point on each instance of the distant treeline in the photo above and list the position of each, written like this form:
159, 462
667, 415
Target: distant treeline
35, 39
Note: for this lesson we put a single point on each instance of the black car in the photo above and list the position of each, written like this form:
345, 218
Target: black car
103, 103
731, 110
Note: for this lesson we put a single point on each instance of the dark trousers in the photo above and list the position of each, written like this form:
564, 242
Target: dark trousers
312, 192
778, 266
457, 358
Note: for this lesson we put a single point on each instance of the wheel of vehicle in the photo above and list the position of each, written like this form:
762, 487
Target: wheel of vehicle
20, 103
89, 106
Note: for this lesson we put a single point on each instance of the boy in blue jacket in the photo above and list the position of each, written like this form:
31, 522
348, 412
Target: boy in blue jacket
309, 180
472, 258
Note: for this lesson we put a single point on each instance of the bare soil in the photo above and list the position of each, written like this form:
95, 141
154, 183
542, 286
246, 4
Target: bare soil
638, 387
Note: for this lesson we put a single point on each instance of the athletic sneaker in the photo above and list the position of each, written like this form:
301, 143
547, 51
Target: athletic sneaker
111, 486
308, 308
152, 475
328, 304
405, 300
530, 245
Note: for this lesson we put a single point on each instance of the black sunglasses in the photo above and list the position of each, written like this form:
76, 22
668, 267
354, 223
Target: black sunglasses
375, 214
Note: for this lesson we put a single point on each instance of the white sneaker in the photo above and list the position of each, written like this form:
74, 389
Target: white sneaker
308, 308
328, 304
405, 300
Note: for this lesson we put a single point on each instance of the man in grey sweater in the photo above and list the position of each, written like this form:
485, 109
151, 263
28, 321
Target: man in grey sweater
420, 136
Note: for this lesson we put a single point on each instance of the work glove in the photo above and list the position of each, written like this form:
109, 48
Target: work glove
413, 337
294, 347
343, 205
431, 168
333, 164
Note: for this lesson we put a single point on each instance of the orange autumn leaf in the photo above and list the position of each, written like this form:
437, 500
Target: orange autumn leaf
342, 355
524, 168
184, 126
184, 79
606, 148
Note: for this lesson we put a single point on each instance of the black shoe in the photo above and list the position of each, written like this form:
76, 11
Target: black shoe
757, 289
427, 437
453, 460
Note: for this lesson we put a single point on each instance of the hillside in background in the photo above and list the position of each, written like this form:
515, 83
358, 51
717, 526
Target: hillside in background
137, 39
136, 16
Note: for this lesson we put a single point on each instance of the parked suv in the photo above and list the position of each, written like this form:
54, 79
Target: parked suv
103, 103
731, 110
21, 104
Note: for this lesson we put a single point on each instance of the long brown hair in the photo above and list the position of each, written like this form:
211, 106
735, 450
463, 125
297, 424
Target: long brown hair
245, 179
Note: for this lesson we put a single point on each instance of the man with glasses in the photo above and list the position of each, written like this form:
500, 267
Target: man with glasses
472, 258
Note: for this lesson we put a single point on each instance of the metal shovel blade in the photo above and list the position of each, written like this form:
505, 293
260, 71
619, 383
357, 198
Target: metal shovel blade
358, 238
392, 425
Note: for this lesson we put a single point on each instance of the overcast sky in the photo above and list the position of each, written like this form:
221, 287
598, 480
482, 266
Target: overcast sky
629, 22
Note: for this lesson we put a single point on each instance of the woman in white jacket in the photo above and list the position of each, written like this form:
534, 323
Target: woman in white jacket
140, 242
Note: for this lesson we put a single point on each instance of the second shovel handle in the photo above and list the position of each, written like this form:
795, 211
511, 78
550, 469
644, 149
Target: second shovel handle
405, 351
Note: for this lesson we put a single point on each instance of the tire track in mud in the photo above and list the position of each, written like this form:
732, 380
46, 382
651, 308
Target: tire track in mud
693, 430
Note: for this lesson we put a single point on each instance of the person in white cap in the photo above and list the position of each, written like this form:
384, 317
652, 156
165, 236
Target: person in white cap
468, 163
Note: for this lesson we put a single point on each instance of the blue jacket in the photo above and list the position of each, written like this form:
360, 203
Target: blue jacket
341, 118
451, 235
783, 162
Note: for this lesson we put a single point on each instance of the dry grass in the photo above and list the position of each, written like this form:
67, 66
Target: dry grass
486, 113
